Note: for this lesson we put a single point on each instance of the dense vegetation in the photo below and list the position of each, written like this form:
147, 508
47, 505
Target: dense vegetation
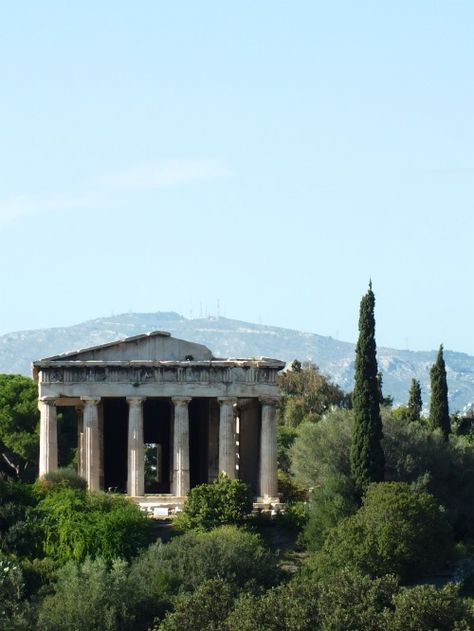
350, 552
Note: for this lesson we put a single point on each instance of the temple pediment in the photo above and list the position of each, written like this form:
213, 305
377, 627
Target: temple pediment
155, 346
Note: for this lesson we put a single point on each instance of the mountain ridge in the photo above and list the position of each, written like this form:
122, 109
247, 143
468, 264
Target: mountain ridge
237, 338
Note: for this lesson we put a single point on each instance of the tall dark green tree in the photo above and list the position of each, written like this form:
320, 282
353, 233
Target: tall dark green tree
415, 403
439, 408
367, 457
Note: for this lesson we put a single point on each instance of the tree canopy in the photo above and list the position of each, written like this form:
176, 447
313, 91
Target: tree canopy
19, 424
307, 394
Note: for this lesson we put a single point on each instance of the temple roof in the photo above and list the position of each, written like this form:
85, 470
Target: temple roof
156, 347
153, 346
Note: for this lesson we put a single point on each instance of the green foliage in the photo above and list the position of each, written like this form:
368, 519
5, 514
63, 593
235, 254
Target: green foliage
19, 418
77, 524
413, 454
286, 435
424, 608
439, 408
321, 450
350, 601
307, 394
14, 611
90, 596
18, 531
367, 457
415, 403
221, 502
61, 478
205, 609
291, 607
393, 532
227, 553
289, 490
446, 469
329, 504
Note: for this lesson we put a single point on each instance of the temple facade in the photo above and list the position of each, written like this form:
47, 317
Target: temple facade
157, 415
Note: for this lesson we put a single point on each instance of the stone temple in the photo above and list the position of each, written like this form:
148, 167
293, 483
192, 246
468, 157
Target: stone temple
157, 415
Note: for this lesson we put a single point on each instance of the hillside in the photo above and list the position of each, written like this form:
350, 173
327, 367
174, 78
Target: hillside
233, 338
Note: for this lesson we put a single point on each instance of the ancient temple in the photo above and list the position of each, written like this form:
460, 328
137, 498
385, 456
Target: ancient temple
159, 415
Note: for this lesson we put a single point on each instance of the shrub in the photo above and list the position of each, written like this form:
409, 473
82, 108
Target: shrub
291, 607
18, 531
76, 524
413, 454
351, 601
205, 609
14, 610
227, 553
396, 531
211, 505
329, 505
322, 449
61, 478
90, 596
289, 490
424, 608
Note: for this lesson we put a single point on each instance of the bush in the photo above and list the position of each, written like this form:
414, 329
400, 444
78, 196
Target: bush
424, 608
413, 454
397, 531
77, 524
211, 505
61, 478
329, 505
226, 553
90, 596
289, 490
18, 531
419, 456
205, 609
351, 601
322, 449
292, 607
14, 611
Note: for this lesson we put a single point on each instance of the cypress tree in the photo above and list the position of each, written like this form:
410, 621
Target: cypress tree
415, 404
439, 408
367, 457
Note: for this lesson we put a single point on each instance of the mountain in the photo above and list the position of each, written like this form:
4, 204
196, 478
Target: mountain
233, 338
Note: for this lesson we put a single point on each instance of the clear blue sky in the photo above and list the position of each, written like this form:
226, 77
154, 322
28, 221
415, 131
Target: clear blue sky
271, 156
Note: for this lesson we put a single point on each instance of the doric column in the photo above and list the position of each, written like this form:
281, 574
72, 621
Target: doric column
181, 478
227, 437
136, 457
48, 460
91, 443
268, 449
80, 442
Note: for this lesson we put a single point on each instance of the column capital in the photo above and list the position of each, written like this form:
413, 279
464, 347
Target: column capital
270, 399
48, 400
135, 401
90, 400
178, 401
227, 400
